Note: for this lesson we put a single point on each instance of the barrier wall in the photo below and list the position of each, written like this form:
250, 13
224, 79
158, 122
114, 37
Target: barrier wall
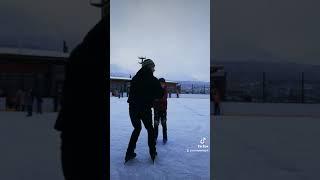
269, 109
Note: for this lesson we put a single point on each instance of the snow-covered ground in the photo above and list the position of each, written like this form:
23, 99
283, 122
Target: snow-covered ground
29, 147
265, 148
188, 122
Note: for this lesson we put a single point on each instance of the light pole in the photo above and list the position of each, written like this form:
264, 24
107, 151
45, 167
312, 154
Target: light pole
103, 4
142, 59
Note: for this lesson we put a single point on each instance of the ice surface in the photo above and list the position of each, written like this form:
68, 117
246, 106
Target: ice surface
29, 147
265, 148
188, 122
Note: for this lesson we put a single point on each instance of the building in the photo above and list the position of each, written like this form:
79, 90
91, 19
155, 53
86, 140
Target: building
122, 84
43, 71
218, 79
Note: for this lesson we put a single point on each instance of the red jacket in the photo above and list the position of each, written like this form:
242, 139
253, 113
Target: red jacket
161, 104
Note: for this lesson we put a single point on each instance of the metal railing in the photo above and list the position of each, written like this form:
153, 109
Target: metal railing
300, 87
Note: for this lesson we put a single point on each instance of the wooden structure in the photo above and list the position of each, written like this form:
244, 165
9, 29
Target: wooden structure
43, 71
122, 84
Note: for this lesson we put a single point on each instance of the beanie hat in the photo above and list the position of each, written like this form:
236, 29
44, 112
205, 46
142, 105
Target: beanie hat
147, 62
162, 80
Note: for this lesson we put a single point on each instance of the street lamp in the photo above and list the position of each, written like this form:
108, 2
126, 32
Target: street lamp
142, 58
103, 4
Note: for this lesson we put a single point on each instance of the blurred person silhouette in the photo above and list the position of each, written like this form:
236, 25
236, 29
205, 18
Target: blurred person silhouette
29, 101
82, 118
39, 101
216, 102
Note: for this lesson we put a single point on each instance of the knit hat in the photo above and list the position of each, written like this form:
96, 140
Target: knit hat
147, 62
162, 80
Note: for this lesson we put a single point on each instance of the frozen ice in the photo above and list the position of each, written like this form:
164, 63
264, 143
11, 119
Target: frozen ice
188, 122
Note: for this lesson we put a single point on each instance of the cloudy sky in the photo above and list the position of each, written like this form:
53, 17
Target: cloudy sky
174, 33
268, 30
43, 24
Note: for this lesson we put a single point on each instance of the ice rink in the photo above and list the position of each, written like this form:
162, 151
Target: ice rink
188, 122
266, 148
29, 147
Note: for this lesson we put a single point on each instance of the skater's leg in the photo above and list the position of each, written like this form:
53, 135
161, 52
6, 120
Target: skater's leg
156, 124
136, 123
29, 110
147, 121
164, 124
215, 108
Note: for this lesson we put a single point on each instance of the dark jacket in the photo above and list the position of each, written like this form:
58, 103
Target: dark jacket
144, 89
161, 104
85, 87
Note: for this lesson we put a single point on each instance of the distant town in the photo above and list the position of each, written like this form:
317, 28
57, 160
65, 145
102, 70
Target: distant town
269, 82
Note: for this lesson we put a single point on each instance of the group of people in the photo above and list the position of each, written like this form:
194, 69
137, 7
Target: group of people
147, 92
24, 101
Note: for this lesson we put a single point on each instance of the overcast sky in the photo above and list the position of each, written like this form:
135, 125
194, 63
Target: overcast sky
43, 24
174, 33
286, 30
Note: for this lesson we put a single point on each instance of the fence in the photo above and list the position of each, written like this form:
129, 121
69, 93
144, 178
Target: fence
195, 89
273, 88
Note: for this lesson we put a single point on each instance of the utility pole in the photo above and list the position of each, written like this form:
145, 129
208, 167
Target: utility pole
302, 87
264, 86
103, 4
142, 58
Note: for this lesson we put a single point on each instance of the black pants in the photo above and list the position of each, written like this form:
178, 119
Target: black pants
136, 115
29, 110
80, 158
160, 116
39, 107
216, 108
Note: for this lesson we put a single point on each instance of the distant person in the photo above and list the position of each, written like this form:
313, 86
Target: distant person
82, 119
216, 102
39, 101
18, 100
160, 112
29, 101
23, 100
144, 89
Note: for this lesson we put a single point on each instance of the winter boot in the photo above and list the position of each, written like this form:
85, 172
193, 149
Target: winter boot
165, 140
153, 154
130, 156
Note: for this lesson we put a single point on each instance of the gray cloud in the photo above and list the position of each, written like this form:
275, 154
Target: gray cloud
256, 29
44, 24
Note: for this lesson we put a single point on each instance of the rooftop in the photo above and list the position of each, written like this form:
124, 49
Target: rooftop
128, 79
32, 52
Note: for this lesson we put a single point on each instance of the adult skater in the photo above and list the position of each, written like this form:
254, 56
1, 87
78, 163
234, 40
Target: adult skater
160, 112
144, 89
